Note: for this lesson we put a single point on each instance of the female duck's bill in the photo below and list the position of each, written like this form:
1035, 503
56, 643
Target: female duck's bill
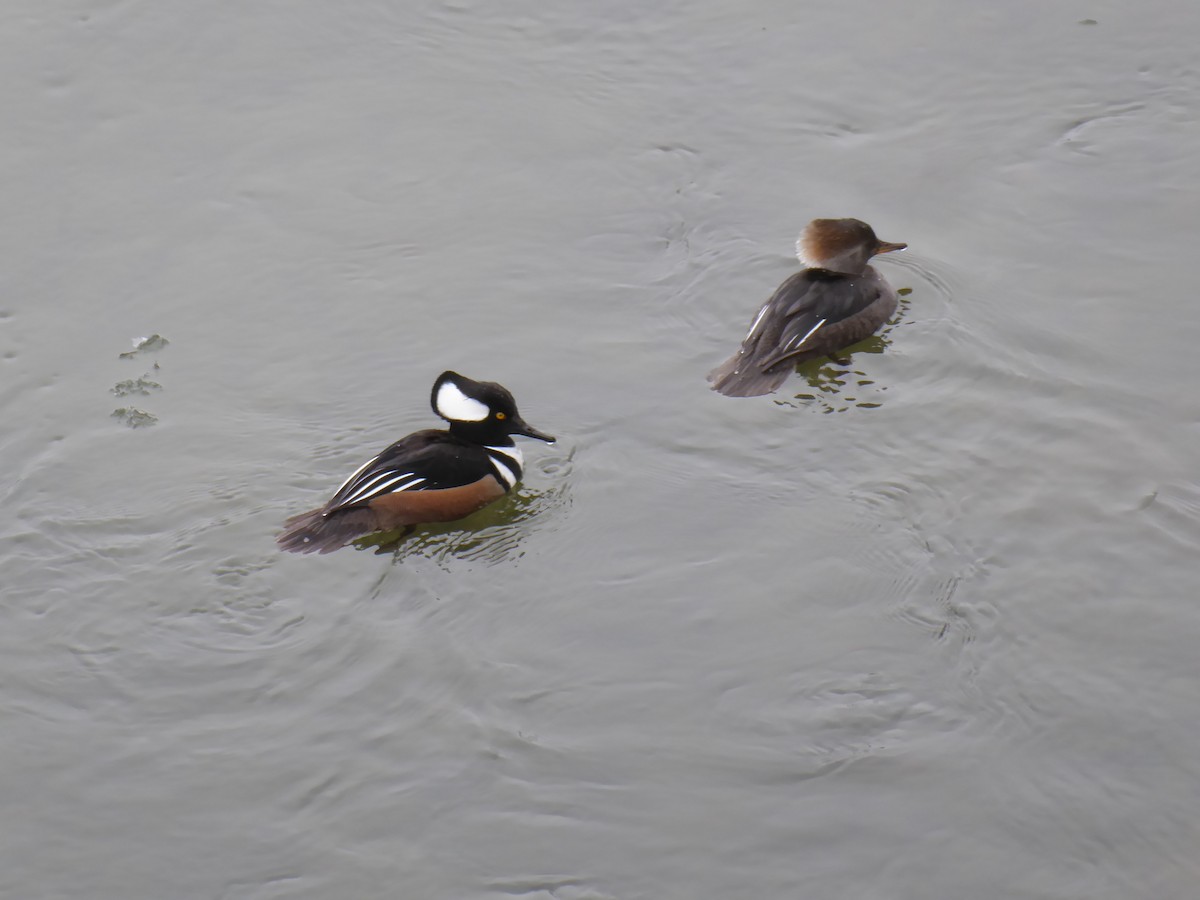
844, 246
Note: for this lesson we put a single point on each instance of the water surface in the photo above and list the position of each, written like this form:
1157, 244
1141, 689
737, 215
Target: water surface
919, 627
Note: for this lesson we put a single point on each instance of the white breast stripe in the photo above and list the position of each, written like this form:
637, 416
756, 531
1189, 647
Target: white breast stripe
507, 462
357, 472
509, 477
456, 406
514, 453
795, 345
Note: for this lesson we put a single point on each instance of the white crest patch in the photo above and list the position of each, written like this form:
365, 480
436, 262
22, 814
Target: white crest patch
456, 406
805, 258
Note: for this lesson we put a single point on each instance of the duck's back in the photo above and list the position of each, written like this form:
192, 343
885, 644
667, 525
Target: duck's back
812, 314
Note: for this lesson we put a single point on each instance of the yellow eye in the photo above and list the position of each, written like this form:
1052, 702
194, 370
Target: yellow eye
501, 416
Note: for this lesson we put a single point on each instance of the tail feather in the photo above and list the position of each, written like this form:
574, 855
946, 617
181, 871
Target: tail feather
739, 377
314, 532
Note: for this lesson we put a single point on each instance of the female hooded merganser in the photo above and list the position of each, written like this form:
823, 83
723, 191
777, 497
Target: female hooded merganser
836, 301
429, 476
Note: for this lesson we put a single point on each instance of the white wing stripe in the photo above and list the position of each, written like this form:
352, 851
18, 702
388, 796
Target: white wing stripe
357, 472
762, 312
381, 484
387, 486
795, 344
368, 483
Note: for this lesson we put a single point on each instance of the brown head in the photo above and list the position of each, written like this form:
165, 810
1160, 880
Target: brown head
844, 246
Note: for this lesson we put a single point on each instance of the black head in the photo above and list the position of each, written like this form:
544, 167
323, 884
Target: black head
844, 246
480, 411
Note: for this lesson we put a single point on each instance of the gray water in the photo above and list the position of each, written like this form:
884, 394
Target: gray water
923, 627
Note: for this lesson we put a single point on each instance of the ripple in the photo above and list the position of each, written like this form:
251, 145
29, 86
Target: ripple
944, 281
1174, 511
239, 611
493, 535
544, 888
932, 561
838, 718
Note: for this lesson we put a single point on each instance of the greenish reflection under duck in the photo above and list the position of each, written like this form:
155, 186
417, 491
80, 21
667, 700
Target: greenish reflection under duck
838, 388
493, 534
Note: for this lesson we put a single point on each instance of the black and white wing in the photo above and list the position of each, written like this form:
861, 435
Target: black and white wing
419, 462
810, 306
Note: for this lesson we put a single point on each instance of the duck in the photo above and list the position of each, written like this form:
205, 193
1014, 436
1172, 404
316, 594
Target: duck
432, 475
837, 300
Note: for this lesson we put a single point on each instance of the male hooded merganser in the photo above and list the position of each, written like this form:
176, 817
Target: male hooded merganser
836, 301
429, 476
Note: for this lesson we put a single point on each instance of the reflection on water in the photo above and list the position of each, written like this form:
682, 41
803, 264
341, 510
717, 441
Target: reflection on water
133, 416
490, 536
142, 386
835, 385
